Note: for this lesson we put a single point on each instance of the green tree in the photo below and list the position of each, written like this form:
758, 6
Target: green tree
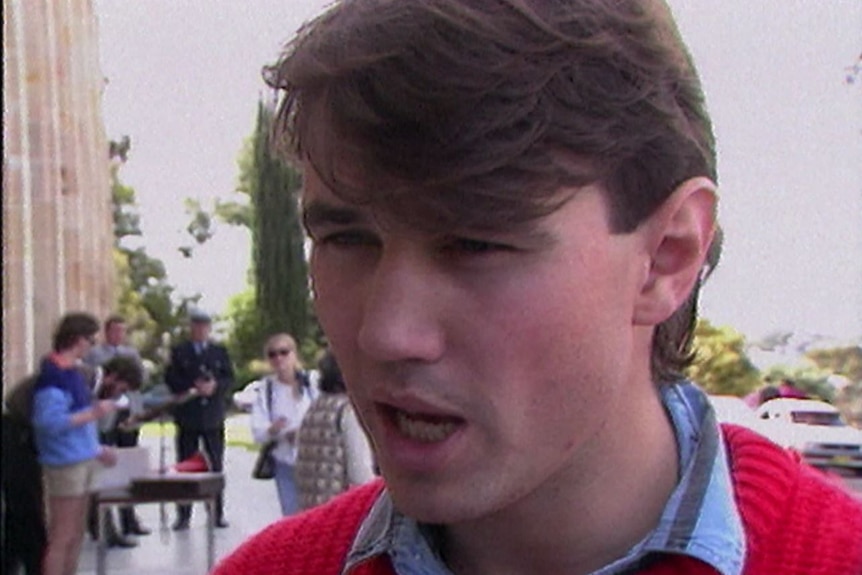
268, 207
154, 312
280, 270
201, 226
844, 361
245, 336
278, 299
721, 365
848, 400
809, 378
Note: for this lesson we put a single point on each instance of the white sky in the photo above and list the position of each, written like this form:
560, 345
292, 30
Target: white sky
184, 78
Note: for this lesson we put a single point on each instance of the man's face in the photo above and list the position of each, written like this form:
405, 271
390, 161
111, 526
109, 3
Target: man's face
116, 387
200, 330
115, 333
84, 345
487, 367
281, 354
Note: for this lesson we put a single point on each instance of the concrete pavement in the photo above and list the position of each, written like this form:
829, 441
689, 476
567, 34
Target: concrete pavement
250, 505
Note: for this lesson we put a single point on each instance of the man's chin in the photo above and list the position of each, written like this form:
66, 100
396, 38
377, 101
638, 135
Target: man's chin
430, 504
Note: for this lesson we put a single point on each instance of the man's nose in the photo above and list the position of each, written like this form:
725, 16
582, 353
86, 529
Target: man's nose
403, 309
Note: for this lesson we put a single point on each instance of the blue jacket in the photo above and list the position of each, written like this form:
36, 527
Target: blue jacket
56, 398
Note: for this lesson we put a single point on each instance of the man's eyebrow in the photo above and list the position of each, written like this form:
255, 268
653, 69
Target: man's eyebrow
317, 213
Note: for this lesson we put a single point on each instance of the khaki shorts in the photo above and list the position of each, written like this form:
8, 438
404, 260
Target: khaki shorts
70, 480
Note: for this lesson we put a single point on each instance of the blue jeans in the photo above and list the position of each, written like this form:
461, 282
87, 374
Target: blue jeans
285, 483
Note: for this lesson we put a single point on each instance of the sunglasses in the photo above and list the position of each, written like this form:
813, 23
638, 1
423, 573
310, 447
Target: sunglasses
273, 353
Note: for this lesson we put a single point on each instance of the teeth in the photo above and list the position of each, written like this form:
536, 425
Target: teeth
423, 430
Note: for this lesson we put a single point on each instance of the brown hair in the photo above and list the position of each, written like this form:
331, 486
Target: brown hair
125, 368
478, 113
112, 319
73, 326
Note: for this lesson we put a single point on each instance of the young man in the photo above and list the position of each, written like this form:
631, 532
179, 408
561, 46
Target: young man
120, 377
115, 346
64, 415
202, 365
510, 204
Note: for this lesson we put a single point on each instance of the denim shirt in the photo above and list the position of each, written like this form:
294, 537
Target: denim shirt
700, 518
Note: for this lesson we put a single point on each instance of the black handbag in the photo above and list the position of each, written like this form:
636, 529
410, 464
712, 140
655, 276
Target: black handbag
264, 466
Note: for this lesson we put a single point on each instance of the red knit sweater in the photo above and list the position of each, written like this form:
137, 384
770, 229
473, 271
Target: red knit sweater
796, 523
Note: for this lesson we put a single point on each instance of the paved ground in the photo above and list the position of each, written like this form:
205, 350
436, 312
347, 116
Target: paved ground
250, 505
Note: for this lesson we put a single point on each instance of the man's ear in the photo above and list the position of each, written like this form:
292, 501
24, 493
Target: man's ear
678, 236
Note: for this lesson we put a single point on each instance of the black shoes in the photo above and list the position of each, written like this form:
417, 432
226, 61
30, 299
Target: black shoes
136, 529
130, 523
117, 540
181, 524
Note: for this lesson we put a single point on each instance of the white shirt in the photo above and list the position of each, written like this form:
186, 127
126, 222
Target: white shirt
285, 403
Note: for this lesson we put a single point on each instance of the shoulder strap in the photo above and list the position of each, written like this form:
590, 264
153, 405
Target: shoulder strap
339, 413
269, 398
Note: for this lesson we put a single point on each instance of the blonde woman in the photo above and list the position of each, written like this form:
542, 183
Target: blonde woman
282, 400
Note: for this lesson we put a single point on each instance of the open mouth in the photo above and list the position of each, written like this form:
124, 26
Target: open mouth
423, 427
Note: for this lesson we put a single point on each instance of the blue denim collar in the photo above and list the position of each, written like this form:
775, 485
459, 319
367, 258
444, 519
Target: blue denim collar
699, 520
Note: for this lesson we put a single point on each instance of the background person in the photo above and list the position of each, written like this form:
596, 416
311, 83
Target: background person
334, 453
118, 377
64, 422
510, 204
115, 345
788, 388
202, 365
24, 533
281, 402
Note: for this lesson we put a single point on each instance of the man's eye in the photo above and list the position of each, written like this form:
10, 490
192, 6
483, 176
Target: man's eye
346, 239
469, 246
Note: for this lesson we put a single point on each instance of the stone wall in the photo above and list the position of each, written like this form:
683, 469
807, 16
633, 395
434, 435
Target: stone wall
57, 229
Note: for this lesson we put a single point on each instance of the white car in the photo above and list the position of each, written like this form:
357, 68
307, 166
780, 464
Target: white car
245, 398
733, 409
815, 429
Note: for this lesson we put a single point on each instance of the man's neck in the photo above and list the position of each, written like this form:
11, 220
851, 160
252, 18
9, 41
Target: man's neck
66, 358
587, 515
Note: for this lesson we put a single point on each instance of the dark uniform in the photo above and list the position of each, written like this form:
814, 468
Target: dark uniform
201, 419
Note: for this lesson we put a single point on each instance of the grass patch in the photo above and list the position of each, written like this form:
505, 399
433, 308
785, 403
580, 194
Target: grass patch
236, 434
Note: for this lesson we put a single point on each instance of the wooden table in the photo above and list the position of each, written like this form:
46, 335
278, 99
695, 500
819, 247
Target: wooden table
169, 488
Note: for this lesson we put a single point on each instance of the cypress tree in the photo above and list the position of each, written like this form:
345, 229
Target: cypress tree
280, 269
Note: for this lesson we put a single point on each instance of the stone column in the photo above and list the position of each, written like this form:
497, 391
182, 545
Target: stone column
18, 344
57, 229
44, 171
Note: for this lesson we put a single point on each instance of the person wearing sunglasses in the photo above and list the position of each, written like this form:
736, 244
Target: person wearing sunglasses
282, 400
